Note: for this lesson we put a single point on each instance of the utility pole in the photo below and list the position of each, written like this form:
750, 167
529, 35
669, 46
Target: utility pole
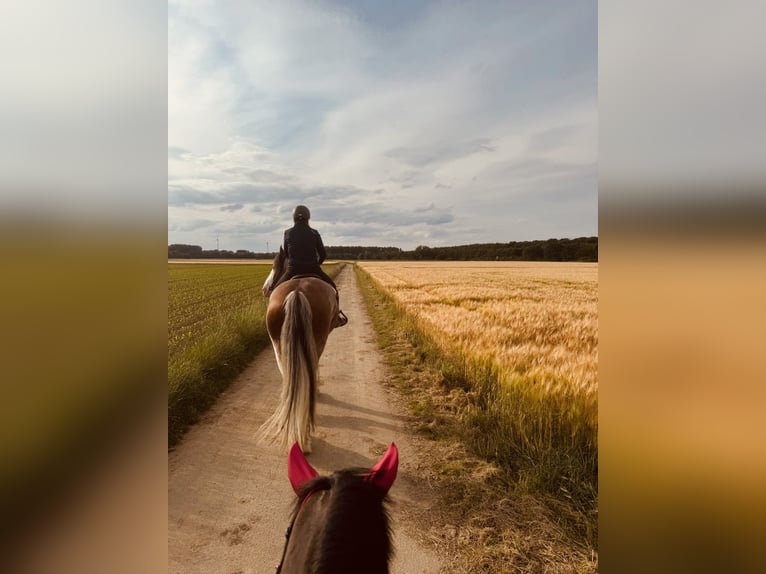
217, 245
267, 246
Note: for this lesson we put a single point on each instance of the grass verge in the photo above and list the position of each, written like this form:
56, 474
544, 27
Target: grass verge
206, 367
505, 508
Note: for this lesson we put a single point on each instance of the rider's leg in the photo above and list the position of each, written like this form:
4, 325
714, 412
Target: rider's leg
341, 318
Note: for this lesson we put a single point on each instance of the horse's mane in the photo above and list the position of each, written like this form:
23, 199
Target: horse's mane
357, 526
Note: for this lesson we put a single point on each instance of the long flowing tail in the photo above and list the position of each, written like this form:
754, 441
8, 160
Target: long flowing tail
294, 419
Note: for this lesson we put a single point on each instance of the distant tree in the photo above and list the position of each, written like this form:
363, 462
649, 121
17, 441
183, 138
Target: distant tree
532, 252
424, 252
586, 252
579, 249
552, 250
183, 251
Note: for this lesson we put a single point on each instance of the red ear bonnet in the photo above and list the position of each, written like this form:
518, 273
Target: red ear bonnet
383, 474
299, 471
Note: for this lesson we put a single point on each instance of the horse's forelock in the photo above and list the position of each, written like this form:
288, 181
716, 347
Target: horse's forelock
354, 522
318, 483
343, 478
360, 518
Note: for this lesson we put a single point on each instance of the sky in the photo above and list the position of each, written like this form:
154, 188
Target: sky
397, 123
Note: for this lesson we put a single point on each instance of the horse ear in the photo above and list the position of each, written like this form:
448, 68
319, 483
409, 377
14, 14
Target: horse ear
299, 471
383, 474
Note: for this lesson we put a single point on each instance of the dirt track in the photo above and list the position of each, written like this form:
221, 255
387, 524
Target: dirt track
229, 498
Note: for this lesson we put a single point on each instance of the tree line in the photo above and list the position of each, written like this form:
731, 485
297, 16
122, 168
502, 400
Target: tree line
579, 249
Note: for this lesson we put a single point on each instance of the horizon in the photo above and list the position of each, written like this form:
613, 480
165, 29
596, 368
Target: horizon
401, 248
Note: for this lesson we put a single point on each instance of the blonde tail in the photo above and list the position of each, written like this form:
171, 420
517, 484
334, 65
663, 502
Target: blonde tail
294, 419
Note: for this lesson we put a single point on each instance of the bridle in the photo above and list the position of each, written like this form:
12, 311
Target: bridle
289, 530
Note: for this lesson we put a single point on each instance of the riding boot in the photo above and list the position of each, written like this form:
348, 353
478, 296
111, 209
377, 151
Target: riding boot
341, 319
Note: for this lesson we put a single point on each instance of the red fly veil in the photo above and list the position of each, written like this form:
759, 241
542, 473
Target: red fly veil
381, 475
299, 471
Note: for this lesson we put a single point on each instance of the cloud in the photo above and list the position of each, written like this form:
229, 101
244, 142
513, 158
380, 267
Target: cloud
552, 138
175, 152
369, 114
428, 207
187, 225
534, 170
423, 156
234, 207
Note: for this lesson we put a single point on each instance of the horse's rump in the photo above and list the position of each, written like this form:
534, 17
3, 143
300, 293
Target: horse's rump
321, 299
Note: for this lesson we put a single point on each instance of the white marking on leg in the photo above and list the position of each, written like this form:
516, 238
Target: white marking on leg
267, 284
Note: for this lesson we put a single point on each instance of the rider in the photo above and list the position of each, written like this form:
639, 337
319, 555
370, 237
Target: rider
305, 252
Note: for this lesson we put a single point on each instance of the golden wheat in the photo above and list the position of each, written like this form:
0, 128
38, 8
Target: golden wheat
537, 322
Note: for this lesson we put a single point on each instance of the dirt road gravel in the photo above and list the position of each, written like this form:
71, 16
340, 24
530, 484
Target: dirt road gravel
229, 498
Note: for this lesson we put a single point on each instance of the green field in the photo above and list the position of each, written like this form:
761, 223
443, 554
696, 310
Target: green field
215, 326
201, 297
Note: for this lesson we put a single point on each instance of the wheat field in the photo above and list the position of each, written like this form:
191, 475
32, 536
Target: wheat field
535, 319
534, 323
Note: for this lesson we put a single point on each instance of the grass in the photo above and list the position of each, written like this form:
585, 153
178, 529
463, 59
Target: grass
216, 325
522, 503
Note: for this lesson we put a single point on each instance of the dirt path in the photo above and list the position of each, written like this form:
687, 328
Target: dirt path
229, 498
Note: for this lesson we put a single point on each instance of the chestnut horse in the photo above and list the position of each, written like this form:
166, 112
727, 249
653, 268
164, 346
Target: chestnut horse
299, 318
339, 524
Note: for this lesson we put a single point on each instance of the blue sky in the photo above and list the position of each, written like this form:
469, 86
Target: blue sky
397, 123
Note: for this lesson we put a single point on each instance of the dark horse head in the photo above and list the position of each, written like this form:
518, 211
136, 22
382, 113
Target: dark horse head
340, 524
277, 268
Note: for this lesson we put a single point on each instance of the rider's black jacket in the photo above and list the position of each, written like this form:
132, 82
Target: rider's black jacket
303, 246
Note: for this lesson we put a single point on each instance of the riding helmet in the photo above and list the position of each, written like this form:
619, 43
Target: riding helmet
301, 213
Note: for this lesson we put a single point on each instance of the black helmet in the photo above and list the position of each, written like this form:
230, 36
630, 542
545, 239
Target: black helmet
301, 213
